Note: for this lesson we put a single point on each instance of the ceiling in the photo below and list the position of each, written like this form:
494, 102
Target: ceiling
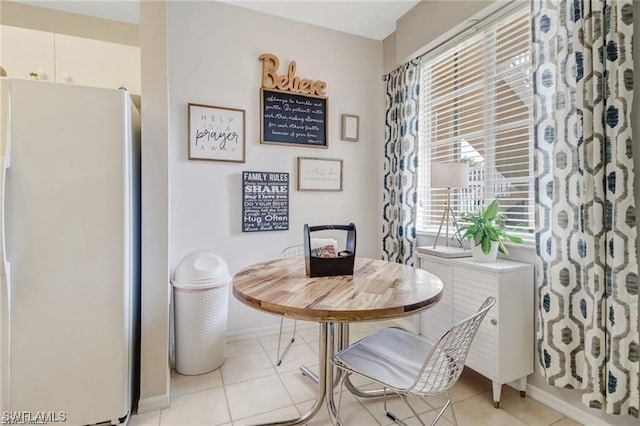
374, 19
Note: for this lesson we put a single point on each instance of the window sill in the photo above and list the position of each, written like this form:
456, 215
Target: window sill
525, 252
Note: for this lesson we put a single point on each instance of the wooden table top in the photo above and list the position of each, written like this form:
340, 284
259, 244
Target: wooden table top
377, 290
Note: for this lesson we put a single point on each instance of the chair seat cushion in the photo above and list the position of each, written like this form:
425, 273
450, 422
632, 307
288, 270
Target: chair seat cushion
392, 356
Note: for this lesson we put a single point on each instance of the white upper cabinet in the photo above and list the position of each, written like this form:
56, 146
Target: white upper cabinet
27, 51
68, 59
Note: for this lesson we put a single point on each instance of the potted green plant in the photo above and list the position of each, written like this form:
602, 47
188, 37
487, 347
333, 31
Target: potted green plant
487, 232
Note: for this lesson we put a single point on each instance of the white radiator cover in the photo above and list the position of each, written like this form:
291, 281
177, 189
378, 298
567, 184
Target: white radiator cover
503, 349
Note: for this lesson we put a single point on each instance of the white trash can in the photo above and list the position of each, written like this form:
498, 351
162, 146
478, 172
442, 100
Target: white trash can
201, 297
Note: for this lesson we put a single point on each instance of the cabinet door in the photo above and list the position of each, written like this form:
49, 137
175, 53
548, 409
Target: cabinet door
24, 51
471, 288
97, 63
437, 319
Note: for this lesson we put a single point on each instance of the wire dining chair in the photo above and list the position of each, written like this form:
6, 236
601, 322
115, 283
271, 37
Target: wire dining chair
408, 365
296, 251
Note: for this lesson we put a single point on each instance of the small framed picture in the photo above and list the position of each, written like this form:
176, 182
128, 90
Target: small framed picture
319, 174
350, 125
216, 133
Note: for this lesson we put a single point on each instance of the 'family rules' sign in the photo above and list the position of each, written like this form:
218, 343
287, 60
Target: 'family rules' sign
265, 201
216, 133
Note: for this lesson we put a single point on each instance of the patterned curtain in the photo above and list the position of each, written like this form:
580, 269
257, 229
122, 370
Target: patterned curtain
585, 215
400, 163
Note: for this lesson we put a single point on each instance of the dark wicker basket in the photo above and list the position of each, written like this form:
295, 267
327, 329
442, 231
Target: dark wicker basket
330, 266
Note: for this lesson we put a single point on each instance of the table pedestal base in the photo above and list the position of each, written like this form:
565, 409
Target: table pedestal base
330, 343
325, 378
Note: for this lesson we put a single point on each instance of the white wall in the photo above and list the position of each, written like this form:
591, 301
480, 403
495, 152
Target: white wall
429, 21
431, 18
154, 359
390, 61
213, 51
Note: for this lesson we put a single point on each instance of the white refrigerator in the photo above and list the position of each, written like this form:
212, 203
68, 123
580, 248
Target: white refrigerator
69, 296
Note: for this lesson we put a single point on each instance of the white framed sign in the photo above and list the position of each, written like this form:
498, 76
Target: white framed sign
319, 174
216, 133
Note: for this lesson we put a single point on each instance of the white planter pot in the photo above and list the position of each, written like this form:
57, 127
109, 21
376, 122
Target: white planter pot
479, 256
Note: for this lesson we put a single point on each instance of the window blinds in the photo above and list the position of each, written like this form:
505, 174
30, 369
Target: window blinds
477, 108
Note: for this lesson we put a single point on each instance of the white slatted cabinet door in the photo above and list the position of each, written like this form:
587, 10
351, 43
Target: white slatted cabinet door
471, 289
437, 319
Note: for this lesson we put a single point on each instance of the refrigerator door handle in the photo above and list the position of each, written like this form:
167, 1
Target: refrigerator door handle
5, 299
5, 267
5, 163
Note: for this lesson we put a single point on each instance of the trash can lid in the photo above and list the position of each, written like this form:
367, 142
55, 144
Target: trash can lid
201, 269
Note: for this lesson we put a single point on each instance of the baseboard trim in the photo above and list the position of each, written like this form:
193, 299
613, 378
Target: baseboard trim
569, 410
155, 403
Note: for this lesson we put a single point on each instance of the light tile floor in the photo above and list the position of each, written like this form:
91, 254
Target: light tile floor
249, 389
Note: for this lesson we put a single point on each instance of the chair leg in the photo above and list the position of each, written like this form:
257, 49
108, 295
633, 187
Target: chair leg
453, 412
293, 338
395, 418
341, 384
455, 421
415, 413
388, 413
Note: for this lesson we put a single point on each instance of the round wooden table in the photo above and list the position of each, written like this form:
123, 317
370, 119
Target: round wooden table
377, 290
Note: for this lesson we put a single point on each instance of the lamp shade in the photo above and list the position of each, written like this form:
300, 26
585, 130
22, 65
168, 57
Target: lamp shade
449, 175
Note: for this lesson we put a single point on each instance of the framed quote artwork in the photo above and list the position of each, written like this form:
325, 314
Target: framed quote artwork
293, 119
216, 133
319, 174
